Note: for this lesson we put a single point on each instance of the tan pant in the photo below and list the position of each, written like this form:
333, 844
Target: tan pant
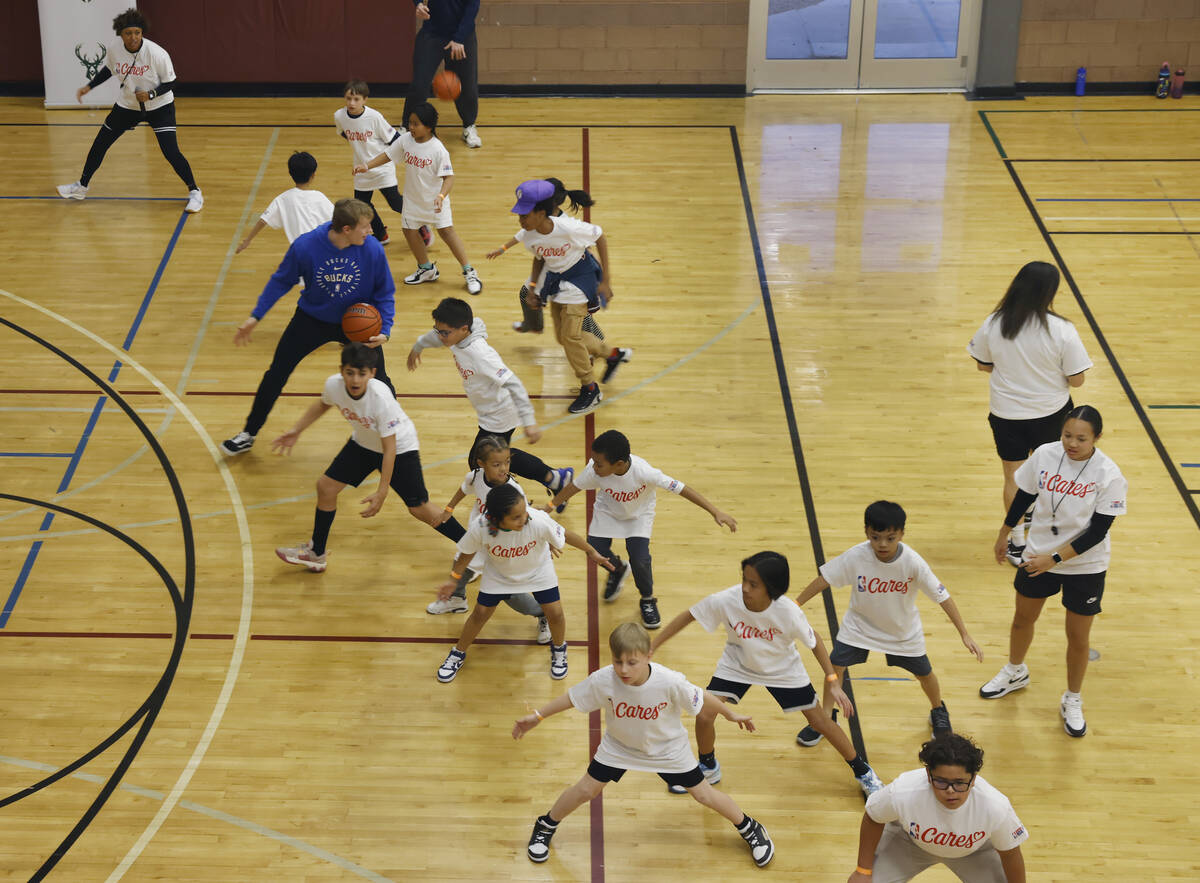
579, 345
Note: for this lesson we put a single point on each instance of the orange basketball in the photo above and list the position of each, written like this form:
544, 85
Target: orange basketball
446, 85
361, 322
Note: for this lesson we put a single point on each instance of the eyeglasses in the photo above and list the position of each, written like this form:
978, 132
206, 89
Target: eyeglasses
955, 785
444, 332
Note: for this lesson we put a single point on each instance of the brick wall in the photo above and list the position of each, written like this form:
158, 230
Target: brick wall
575, 42
1118, 41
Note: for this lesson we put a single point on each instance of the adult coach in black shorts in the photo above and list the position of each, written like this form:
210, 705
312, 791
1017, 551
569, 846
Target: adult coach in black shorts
448, 33
147, 80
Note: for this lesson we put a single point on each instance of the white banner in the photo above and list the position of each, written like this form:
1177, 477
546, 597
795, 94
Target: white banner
76, 35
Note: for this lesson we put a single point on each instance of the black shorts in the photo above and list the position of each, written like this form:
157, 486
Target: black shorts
1081, 592
545, 596
1017, 439
847, 655
353, 463
602, 773
789, 698
122, 119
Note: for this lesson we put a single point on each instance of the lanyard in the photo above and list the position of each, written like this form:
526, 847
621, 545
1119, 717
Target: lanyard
1058, 469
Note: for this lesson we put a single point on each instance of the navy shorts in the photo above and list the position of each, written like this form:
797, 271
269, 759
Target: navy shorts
1017, 439
846, 655
122, 119
789, 698
603, 773
353, 463
545, 596
1081, 592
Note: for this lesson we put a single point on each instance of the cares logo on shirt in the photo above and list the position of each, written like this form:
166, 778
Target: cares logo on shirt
465, 373
876, 586
945, 838
515, 552
338, 276
355, 418
418, 162
748, 632
625, 496
639, 712
358, 136
543, 251
130, 70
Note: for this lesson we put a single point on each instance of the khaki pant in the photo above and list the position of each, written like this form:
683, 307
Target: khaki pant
579, 345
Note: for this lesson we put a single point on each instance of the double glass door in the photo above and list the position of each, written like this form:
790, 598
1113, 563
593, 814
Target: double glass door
862, 44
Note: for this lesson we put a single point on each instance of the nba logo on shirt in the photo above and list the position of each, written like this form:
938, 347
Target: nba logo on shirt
914, 830
861, 585
1020, 832
1042, 478
1116, 505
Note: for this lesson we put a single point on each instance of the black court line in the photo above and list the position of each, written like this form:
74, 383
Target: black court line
148, 712
94, 125
1124, 232
1169, 464
1147, 159
810, 510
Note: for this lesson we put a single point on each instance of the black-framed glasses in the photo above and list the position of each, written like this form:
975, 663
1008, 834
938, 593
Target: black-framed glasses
444, 332
951, 784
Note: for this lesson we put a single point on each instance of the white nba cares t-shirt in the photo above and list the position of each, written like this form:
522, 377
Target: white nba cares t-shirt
516, 560
483, 373
375, 414
369, 134
141, 71
298, 211
882, 613
760, 648
424, 164
1069, 493
625, 503
1029, 373
985, 817
561, 249
642, 729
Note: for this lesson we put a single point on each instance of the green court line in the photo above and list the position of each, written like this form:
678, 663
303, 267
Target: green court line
995, 140
1175, 407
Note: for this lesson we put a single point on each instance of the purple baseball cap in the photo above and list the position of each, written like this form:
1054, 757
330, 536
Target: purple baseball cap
530, 193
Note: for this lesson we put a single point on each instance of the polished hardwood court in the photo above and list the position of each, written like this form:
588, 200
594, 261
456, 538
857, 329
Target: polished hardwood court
798, 277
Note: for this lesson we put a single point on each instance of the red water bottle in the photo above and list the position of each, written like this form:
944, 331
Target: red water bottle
1177, 84
1164, 81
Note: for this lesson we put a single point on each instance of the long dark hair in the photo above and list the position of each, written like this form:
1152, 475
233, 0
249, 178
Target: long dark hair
1028, 297
579, 198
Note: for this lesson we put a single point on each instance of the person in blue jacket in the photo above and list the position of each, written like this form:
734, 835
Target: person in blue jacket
339, 263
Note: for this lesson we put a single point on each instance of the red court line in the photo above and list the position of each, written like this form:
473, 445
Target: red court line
302, 395
355, 639
593, 630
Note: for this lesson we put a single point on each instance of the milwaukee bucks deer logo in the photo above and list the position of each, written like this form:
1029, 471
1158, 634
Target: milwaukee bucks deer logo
90, 65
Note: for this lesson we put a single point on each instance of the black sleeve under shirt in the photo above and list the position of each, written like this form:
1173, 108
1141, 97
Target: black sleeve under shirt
1097, 529
95, 81
1016, 511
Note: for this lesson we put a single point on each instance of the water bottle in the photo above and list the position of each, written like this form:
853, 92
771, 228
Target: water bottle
1177, 84
1080, 80
1164, 81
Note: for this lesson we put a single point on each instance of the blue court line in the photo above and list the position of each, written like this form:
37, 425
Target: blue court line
109, 198
883, 679
31, 454
77, 455
1114, 199
1191, 465
1175, 407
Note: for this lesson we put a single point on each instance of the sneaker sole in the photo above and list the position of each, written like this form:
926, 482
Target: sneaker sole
442, 680
537, 858
444, 612
608, 599
315, 568
558, 677
809, 743
1011, 688
651, 626
233, 452
592, 407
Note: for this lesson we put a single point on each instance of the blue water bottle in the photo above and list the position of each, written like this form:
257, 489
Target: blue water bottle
1080, 80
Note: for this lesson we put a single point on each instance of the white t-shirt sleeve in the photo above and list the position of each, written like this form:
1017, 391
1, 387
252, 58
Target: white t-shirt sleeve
549, 529
978, 346
1009, 833
930, 584
444, 167
660, 479
881, 806
688, 695
838, 571
1110, 499
1026, 476
273, 216
383, 130
709, 612
1074, 357
163, 66
587, 695
471, 541
587, 479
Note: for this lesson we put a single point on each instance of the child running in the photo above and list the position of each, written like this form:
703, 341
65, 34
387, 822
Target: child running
625, 501
491, 456
642, 731
882, 614
497, 394
384, 439
576, 283
428, 180
762, 628
517, 543
368, 133
299, 210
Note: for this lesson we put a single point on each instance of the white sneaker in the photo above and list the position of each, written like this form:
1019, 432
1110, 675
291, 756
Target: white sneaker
473, 574
302, 555
474, 286
543, 635
471, 136
422, 274
1071, 710
448, 670
74, 190
558, 661
869, 782
195, 202
1010, 678
239, 444
453, 604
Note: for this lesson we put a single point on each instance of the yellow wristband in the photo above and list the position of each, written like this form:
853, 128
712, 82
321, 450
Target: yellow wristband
447, 508
866, 872
538, 715
832, 679
504, 247
456, 575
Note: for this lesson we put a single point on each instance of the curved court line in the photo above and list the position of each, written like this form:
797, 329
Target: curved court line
202, 330
241, 636
253, 827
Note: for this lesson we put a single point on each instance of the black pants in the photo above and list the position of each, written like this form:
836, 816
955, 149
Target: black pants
427, 55
638, 549
302, 335
524, 464
120, 120
394, 200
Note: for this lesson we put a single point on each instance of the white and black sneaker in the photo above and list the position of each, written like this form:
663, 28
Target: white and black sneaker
1071, 710
616, 580
558, 660
422, 274
939, 721
539, 842
239, 444
762, 850
650, 616
614, 360
74, 190
808, 737
448, 670
543, 632
1011, 677
1015, 553
471, 280
589, 397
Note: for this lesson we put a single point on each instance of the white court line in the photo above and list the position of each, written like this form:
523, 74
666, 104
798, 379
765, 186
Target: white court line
248, 825
241, 636
115, 407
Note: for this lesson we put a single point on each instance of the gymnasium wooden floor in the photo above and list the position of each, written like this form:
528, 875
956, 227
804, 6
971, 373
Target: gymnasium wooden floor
798, 276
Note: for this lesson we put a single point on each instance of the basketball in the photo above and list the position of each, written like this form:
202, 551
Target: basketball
446, 85
361, 322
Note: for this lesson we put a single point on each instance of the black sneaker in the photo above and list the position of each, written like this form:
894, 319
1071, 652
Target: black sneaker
614, 360
650, 618
762, 850
939, 720
589, 397
539, 842
616, 579
239, 444
808, 737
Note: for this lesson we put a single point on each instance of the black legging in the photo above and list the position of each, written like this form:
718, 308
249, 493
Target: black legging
394, 200
302, 335
427, 55
120, 120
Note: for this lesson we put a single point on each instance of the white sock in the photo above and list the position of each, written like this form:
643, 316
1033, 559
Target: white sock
1014, 669
1070, 695
1016, 536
